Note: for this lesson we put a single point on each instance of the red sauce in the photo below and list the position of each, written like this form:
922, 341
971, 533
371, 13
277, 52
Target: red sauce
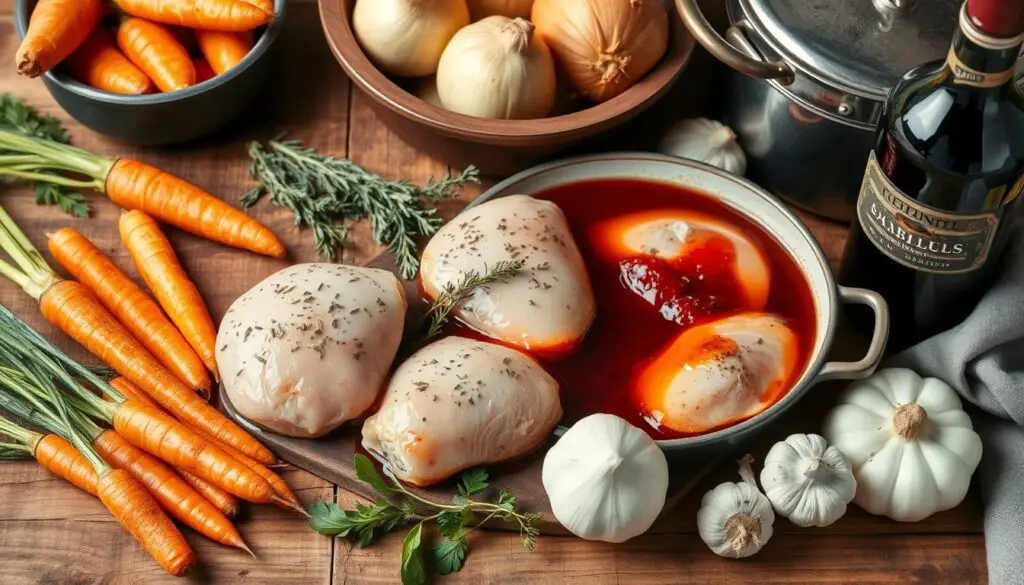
628, 332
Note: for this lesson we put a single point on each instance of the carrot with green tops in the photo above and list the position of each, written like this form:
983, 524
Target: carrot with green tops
55, 29
155, 50
136, 185
75, 311
229, 15
139, 313
54, 453
160, 269
224, 50
99, 63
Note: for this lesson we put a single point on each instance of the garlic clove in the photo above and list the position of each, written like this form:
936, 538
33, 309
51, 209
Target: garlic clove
705, 141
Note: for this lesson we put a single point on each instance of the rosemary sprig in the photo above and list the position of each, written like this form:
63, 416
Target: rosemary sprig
398, 506
16, 116
323, 192
453, 294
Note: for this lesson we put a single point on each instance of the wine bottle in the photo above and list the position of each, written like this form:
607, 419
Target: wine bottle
944, 179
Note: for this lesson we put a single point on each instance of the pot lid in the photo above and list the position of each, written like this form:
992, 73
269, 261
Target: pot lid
859, 46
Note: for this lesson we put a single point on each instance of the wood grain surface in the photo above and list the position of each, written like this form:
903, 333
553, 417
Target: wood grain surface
50, 533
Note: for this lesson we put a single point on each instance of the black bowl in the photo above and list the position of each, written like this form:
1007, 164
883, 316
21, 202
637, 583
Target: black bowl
163, 118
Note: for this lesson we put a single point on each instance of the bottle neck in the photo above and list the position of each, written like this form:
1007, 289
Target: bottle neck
980, 60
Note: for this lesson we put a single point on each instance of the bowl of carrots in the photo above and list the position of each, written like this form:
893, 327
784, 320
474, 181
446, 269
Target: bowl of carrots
149, 72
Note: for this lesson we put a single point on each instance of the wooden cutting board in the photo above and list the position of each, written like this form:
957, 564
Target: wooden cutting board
330, 457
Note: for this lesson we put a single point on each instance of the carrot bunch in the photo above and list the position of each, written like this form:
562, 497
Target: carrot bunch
149, 49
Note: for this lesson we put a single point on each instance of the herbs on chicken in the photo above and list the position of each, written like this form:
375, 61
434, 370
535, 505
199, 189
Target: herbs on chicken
455, 294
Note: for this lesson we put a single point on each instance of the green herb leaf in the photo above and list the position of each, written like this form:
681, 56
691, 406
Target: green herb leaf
366, 472
413, 571
362, 526
451, 522
67, 201
327, 518
507, 501
453, 295
449, 556
473, 481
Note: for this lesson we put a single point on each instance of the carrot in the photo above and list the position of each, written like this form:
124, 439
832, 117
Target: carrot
156, 51
171, 491
142, 517
287, 497
100, 64
161, 435
156, 261
130, 305
224, 50
132, 392
225, 502
55, 29
203, 70
75, 311
266, 5
228, 15
61, 458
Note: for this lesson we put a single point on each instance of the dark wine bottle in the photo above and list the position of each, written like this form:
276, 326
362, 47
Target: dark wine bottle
943, 181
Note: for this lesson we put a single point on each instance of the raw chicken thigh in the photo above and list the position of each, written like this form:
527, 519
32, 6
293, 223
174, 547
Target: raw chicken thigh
673, 235
720, 373
548, 306
458, 403
310, 347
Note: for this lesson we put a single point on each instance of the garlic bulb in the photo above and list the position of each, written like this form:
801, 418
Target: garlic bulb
606, 479
406, 37
497, 68
511, 8
706, 141
735, 519
807, 481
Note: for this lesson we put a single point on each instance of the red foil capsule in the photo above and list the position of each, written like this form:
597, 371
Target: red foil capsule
997, 18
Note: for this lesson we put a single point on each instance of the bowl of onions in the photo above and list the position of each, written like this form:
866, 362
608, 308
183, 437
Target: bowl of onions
504, 84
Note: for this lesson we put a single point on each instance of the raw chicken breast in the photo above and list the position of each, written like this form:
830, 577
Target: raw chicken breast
458, 403
720, 373
548, 306
310, 347
672, 234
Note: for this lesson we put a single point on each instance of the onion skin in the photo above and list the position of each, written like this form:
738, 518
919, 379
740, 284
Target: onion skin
511, 8
604, 46
406, 37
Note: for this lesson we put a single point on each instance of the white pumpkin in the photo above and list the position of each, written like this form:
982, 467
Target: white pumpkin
912, 446
808, 481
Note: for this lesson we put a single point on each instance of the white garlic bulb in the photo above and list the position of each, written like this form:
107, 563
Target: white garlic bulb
706, 141
807, 481
735, 519
406, 37
606, 479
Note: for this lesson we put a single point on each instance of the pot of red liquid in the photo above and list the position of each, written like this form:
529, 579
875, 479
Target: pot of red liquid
642, 315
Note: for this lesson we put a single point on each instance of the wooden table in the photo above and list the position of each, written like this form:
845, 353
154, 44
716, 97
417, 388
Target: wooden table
53, 533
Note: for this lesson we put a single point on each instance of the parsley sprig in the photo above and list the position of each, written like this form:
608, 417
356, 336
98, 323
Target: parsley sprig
397, 506
454, 294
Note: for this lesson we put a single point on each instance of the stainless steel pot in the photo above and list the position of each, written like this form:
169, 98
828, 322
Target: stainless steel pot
809, 81
764, 210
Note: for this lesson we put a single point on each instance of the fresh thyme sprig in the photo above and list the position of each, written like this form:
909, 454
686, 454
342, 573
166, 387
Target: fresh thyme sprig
453, 294
398, 506
322, 192
15, 115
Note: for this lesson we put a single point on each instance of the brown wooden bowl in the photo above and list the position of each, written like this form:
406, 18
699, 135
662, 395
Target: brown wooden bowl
496, 147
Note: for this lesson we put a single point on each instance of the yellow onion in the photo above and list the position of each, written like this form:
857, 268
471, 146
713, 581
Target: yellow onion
406, 37
511, 8
604, 46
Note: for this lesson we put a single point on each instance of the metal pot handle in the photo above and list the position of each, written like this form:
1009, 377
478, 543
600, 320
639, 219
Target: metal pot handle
866, 365
746, 60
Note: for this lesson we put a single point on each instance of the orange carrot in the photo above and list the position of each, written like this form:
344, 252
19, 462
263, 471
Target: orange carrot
63, 460
75, 311
130, 305
170, 490
266, 5
135, 185
142, 517
224, 50
225, 502
100, 64
287, 497
161, 435
153, 49
132, 392
160, 269
203, 70
55, 29
229, 15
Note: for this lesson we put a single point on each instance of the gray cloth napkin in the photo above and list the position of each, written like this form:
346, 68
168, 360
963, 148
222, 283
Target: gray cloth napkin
983, 359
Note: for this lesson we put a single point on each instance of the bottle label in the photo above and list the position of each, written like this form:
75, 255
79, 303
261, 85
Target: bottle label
964, 75
918, 236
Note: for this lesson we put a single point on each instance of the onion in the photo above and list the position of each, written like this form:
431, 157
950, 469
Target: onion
511, 8
604, 46
497, 68
406, 37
